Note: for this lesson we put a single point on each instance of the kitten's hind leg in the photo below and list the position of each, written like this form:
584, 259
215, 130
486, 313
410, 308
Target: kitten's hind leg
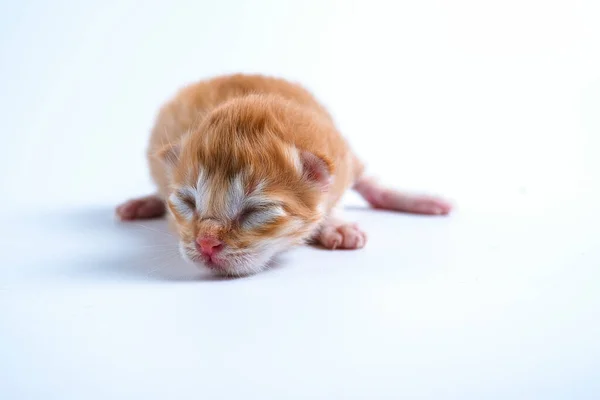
385, 198
141, 208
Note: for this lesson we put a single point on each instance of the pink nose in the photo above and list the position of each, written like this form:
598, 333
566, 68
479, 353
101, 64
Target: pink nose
208, 245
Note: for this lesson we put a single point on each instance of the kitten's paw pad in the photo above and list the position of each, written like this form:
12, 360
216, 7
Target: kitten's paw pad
346, 236
141, 208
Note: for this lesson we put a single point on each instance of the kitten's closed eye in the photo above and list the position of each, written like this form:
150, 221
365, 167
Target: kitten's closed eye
184, 204
252, 217
247, 212
189, 202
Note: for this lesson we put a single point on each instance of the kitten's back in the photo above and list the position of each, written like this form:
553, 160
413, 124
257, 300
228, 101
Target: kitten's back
192, 103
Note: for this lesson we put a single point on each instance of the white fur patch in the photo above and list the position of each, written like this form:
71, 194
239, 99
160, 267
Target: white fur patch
235, 198
202, 191
259, 201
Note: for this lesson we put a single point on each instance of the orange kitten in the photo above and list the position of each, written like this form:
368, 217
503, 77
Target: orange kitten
249, 166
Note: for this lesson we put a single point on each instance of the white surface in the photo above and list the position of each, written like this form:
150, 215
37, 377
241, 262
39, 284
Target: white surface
493, 103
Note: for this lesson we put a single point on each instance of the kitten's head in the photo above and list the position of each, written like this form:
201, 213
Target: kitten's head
240, 194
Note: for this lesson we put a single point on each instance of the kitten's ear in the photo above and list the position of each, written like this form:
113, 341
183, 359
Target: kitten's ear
316, 169
168, 154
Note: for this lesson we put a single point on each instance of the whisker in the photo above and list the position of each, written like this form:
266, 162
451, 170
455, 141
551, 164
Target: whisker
154, 230
163, 252
160, 257
153, 246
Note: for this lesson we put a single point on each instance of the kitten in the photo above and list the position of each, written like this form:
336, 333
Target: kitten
249, 166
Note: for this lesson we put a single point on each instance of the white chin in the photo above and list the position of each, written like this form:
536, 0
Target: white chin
240, 265
236, 269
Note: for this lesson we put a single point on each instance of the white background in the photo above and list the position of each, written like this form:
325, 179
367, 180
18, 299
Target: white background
495, 104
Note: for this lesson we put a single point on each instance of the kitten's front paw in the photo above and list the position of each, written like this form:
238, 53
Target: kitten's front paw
344, 236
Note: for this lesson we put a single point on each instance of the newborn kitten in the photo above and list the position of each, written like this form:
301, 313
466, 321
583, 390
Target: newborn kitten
249, 166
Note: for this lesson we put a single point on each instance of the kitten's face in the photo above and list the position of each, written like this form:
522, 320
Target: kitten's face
238, 200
